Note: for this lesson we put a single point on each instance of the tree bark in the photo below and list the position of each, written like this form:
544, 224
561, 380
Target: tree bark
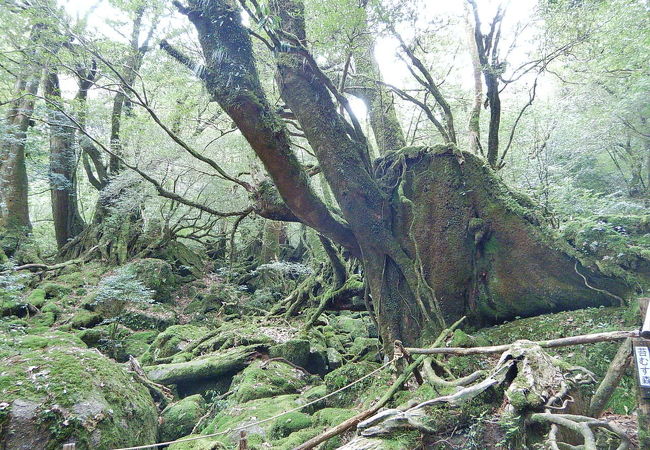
14, 205
63, 168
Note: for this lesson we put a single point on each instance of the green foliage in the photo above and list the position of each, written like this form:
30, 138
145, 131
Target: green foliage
116, 292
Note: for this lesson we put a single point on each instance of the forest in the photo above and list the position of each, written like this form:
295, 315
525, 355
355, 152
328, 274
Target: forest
297, 224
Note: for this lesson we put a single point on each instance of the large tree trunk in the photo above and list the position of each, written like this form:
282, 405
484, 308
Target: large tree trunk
14, 207
63, 168
14, 210
483, 249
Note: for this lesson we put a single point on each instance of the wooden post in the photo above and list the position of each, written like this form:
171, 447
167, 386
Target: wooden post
641, 355
70, 446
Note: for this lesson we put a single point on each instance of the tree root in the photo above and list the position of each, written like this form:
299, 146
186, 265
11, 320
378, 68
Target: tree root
352, 286
40, 268
582, 425
160, 393
561, 342
535, 380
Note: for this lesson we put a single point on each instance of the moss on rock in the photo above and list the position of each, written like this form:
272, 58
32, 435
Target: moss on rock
173, 340
260, 380
55, 391
295, 350
178, 420
156, 275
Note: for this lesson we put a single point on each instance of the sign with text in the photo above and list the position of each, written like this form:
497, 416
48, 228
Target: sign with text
642, 360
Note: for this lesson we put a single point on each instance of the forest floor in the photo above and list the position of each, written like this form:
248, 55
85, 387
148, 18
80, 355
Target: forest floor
79, 363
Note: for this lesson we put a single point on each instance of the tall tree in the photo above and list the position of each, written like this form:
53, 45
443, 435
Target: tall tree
14, 211
63, 164
437, 239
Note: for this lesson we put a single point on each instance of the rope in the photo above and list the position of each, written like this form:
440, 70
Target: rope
243, 427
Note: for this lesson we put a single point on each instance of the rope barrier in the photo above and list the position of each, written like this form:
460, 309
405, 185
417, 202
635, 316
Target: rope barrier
244, 427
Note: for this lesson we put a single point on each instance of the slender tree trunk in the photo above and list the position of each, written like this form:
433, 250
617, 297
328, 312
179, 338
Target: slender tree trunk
378, 99
474, 124
63, 168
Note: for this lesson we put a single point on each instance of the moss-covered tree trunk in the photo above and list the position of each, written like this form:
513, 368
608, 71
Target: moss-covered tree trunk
14, 206
483, 249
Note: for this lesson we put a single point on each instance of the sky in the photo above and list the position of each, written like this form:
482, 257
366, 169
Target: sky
393, 70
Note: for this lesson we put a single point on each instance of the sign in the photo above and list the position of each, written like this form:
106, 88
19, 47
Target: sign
642, 359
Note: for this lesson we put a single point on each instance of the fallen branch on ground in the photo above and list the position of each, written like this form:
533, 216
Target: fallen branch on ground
561, 342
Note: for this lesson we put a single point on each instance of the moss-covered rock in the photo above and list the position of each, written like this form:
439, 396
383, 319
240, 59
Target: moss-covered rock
55, 391
288, 424
365, 348
36, 298
242, 414
85, 319
156, 275
178, 420
209, 372
261, 379
296, 350
55, 290
149, 317
173, 340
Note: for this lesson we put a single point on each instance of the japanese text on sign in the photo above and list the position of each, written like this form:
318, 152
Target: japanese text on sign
643, 365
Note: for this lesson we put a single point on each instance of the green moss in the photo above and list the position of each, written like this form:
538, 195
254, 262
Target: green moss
329, 417
253, 411
55, 290
296, 438
260, 380
156, 275
289, 423
178, 420
36, 298
212, 366
78, 395
295, 350
85, 319
173, 340
345, 375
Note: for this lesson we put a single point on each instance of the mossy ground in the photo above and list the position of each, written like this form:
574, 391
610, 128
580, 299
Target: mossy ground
217, 365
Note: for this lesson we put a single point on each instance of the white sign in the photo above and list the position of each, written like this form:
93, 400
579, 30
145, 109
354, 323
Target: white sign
643, 365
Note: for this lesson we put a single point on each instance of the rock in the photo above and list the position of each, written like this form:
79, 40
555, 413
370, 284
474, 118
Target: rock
214, 371
334, 359
178, 420
173, 340
156, 275
85, 319
365, 348
242, 414
354, 327
36, 298
149, 317
262, 379
295, 350
289, 423
56, 391
317, 362
55, 290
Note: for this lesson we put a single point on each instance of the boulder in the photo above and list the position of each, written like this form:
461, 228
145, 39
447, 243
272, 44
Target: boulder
178, 420
53, 391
